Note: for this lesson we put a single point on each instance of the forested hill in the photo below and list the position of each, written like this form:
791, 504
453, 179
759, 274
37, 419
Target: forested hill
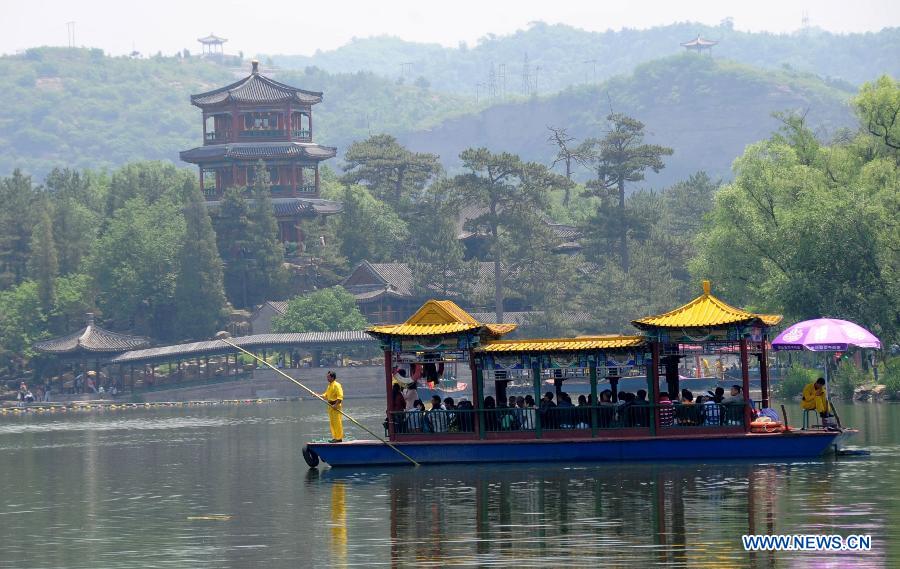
568, 56
708, 110
78, 108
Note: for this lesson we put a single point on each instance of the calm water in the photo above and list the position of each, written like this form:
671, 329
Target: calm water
120, 488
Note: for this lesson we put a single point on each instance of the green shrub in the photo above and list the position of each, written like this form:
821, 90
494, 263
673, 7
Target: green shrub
794, 381
846, 379
891, 375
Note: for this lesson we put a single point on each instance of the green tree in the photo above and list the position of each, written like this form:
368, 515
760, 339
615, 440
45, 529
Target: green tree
436, 258
199, 290
325, 310
17, 194
621, 156
43, 264
148, 180
368, 228
508, 192
78, 205
391, 172
878, 107
134, 266
22, 322
232, 237
269, 276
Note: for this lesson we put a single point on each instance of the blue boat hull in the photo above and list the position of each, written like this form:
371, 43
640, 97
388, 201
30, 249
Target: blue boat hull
732, 446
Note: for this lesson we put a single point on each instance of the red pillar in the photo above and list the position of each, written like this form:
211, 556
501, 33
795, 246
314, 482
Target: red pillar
202, 186
293, 179
653, 381
317, 178
764, 371
745, 377
388, 386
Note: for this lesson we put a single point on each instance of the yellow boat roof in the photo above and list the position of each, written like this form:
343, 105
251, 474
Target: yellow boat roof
439, 317
563, 344
704, 311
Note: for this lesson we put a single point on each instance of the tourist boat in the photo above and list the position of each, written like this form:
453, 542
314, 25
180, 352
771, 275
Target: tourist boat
440, 331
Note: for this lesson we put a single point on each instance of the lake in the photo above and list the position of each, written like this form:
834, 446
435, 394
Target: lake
225, 486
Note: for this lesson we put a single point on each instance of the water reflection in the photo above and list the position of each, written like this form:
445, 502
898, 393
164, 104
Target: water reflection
129, 493
672, 514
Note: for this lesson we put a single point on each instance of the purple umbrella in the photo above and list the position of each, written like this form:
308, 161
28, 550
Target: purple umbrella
825, 335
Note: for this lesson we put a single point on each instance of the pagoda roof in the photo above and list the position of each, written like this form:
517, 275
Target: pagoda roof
212, 38
699, 42
258, 151
704, 311
91, 339
582, 343
255, 89
440, 317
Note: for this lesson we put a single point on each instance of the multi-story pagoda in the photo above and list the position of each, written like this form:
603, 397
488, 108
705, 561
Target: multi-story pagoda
259, 119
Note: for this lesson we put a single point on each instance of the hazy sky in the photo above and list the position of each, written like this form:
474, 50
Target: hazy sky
303, 26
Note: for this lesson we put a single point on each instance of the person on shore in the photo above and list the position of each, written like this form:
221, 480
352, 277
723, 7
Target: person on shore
814, 397
334, 395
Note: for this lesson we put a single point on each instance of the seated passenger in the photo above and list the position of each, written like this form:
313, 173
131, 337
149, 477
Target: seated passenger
641, 397
734, 396
606, 413
415, 422
436, 419
547, 410
666, 411
712, 412
464, 416
687, 398
452, 419
565, 410
490, 413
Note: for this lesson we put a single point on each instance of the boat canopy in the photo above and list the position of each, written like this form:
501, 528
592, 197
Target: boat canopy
705, 311
439, 318
582, 343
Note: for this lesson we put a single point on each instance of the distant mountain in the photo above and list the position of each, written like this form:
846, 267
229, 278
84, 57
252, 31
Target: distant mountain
561, 56
80, 108
708, 110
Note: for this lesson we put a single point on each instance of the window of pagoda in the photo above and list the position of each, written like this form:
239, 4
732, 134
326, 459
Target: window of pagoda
216, 127
209, 182
262, 124
308, 179
301, 125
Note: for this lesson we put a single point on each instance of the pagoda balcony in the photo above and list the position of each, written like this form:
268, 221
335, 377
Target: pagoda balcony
307, 189
302, 134
210, 193
263, 134
217, 136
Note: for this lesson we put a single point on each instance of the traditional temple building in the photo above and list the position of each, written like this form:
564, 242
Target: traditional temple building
699, 45
258, 119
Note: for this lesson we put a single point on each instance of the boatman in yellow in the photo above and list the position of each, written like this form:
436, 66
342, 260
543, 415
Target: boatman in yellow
814, 397
334, 395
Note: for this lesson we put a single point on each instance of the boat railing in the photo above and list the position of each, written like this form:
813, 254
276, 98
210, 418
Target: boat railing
585, 418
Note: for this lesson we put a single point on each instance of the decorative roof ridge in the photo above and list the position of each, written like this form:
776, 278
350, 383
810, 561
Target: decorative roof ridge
731, 313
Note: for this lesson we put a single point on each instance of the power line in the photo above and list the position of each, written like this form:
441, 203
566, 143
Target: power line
593, 63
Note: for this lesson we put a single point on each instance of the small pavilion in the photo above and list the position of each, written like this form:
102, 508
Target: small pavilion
699, 44
212, 45
90, 344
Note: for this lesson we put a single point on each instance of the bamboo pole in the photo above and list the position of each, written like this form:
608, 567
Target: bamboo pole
320, 398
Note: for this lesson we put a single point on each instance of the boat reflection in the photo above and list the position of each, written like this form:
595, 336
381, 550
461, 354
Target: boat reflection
679, 514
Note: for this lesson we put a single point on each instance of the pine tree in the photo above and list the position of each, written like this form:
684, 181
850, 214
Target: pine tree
43, 265
232, 229
17, 194
268, 277
199, 290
